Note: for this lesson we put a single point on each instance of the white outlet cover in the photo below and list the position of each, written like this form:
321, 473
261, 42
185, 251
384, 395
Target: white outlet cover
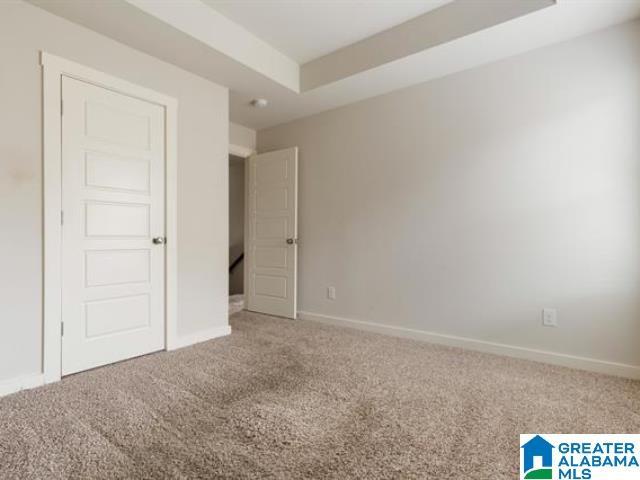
550, 317
331, 293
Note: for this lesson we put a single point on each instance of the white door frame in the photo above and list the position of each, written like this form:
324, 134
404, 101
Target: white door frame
240, 151
53, 69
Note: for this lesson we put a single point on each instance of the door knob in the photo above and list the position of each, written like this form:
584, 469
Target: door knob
159, 240
291, 241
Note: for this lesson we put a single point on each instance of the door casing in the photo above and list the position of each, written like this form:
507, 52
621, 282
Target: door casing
53, 69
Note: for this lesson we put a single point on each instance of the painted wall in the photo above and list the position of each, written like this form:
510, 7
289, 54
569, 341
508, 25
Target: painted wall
466, 205
202, 176
242, 136
236, 222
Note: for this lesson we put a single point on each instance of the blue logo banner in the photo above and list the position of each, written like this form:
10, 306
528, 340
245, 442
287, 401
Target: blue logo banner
579, 457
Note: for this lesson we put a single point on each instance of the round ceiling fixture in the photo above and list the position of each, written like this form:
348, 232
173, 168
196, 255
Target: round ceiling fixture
259, 102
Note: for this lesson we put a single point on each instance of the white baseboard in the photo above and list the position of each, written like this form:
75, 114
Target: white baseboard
571, 361
21, 383
198, 337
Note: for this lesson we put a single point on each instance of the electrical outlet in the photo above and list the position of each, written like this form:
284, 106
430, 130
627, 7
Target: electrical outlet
550, 317
331, 293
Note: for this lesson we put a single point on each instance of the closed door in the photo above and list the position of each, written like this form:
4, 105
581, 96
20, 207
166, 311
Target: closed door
271, 239
113, 189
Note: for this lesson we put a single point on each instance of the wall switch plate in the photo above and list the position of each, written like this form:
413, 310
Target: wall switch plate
331, 293
550, 317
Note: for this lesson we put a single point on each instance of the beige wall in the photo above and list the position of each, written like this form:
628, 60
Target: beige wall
202, 176
242, 136
466, 205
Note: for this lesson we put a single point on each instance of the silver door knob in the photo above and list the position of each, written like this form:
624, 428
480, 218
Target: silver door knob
159, 240
291, 241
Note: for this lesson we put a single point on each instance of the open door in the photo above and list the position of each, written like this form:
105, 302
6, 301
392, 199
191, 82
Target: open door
271, 245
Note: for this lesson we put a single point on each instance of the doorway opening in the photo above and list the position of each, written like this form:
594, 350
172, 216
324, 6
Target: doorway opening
263, 232
236, 233
109, 205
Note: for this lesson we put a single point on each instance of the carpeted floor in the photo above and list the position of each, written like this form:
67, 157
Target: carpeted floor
294, 400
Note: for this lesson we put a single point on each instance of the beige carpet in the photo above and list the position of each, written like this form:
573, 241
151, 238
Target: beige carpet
292, 400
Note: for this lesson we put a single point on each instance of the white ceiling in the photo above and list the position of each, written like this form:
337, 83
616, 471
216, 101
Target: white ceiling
462, 34
307, 29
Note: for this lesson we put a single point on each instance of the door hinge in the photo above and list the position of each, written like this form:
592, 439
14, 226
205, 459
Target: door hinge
61, 217
62, 329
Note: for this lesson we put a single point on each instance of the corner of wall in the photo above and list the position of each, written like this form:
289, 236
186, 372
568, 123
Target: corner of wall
242, 136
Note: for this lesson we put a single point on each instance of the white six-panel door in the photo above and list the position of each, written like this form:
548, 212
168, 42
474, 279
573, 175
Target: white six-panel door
113, 189
271, 239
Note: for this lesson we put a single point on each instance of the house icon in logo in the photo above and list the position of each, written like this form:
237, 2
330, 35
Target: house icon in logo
538, 447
